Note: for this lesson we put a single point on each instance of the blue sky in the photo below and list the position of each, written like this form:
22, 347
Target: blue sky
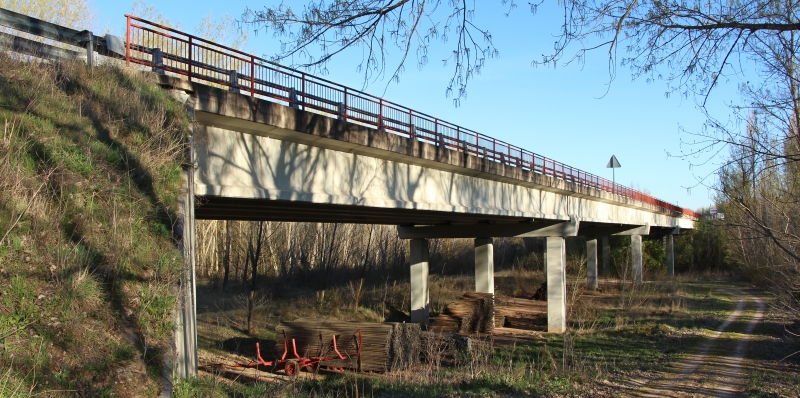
568, 113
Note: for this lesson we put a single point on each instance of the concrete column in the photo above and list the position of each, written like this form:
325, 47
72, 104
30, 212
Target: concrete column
185, 360
606, 250
591, 262
556, 285
484, 265
670, 256
420, 296
636, 258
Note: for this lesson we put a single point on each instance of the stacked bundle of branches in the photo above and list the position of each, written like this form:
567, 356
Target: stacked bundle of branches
385, 346
473, 313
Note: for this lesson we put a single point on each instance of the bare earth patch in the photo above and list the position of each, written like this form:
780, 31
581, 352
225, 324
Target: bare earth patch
717, 367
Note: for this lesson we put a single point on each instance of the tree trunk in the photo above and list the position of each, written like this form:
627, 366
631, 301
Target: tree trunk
226, 259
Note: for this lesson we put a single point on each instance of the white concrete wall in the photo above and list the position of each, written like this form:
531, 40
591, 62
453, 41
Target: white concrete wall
242, 165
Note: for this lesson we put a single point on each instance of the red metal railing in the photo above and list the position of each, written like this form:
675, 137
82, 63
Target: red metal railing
170, 50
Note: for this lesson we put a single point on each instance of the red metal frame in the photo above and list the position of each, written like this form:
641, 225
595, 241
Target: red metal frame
211, 61
303, 362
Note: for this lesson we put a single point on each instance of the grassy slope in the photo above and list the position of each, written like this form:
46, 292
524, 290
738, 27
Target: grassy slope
89, 180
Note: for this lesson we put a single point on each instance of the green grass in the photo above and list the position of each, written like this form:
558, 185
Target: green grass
90, 165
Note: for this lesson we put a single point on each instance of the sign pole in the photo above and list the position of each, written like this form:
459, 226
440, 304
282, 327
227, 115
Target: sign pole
613, 163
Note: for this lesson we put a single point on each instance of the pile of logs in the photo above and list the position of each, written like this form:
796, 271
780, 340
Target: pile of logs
473, 313
385, 346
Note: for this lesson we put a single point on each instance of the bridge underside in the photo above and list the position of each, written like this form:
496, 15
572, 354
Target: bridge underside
222, 208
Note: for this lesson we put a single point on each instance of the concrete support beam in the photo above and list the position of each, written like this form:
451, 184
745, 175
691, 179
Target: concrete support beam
605, 248
636, 258
556, 285
670, 255
420, 295
484, 265
591, 263
542, 228
640, 230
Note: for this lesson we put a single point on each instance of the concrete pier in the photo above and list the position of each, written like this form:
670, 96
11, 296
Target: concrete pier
591, 263
420, 295
636, 258
484, 265
605, 248
556, 285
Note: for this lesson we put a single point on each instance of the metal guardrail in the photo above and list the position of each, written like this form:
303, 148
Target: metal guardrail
168, 50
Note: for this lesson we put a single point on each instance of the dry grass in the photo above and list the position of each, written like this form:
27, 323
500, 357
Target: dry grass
89, 176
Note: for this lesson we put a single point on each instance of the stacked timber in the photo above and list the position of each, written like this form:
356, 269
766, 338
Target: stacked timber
473, 313
385, 346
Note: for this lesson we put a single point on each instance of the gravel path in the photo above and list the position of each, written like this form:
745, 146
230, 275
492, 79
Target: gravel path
716, 367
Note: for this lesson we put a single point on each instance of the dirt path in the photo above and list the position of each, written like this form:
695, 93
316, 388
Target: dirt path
716, 367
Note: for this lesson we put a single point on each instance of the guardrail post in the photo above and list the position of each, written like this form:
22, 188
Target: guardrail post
340, 110
128, 40
293, 102
234, 81
411, 132
380, 114
189, 61
439, 138
252, 76
303, 89
345, 103
89, 38
158, 61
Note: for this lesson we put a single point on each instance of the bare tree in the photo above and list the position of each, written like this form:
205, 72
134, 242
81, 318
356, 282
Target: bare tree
324, 29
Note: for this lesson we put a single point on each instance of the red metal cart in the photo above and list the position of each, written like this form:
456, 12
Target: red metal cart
292, 366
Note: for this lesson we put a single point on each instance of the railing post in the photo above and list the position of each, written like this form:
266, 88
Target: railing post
411, 123
303, 88
439, 140
293, 102
128, 40
190, 58
344, 111
158, 61
234, 81
380, 114
252, 76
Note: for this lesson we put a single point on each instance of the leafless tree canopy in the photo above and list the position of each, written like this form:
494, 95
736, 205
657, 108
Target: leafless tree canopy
324, 29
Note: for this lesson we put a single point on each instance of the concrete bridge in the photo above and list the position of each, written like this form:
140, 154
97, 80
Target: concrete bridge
271, 143
274, 144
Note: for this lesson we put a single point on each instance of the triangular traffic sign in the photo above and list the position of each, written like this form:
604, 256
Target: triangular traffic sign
613, 163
